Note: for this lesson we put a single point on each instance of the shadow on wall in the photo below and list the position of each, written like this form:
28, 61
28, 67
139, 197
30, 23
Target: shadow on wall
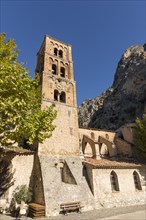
36, 182
66, 174
88, 178
6, 176
142, 172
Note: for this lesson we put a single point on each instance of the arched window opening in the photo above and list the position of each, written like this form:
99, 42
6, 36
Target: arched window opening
56, 94
137, 181
63, 97
60, 53
54, 69
55, 51
62, 72
114, 181
104, 152
88, 150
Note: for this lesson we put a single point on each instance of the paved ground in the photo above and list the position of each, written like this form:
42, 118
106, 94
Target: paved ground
139, 215
121, 213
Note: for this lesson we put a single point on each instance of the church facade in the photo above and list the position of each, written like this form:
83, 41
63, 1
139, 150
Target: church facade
95, 167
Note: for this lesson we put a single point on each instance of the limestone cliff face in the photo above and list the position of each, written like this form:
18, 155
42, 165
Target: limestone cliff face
124, 100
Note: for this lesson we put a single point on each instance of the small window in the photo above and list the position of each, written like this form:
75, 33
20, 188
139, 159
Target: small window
107, 136
55, 51
60, 53
136, 181
56, 94
62, 72
63, 97
92, 135
114, 181
54, 69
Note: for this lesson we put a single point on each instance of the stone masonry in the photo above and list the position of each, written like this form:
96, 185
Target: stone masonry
65, 174
95, 167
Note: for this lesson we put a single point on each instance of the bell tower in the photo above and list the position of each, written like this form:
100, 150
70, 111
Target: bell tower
55, 66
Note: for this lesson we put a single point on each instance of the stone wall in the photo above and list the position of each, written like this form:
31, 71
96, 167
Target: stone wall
96, 133
127, 194
128, 132
64, 140
142, 172
52, 80
22, 168
50, 83
56, 191
123, 148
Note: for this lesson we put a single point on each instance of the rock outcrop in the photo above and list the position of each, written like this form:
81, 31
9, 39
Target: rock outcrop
124, 100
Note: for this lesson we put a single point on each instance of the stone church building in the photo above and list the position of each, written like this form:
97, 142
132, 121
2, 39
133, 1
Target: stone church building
92, 166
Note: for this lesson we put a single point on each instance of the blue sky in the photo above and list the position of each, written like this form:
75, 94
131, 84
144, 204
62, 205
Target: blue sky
99, 32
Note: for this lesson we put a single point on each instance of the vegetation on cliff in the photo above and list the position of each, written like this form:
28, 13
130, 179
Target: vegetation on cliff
140, 135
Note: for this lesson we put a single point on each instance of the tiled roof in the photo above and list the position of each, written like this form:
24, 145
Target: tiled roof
105, 163
16, 150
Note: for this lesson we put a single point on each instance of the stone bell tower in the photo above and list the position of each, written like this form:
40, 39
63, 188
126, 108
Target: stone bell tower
58, 166
55, 66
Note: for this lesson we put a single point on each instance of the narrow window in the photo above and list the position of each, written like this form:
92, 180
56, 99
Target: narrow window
56, 93
61, 172
137, 181
55, 51
62, 72
114, 181
63, 97
54, 69
60, 53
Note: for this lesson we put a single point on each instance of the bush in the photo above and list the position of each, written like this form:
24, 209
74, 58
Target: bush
22, 193
140, 135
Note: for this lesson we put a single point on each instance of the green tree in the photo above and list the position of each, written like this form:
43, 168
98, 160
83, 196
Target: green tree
21, 117
140, 135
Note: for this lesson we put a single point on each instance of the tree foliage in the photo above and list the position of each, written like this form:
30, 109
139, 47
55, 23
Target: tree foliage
21, 117
140, 135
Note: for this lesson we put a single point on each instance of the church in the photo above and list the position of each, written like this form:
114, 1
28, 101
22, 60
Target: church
94, 167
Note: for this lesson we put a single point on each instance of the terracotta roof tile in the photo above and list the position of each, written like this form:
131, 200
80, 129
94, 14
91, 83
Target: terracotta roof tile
105, 163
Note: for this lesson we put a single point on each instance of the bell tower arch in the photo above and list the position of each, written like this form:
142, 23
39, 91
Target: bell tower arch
55, 66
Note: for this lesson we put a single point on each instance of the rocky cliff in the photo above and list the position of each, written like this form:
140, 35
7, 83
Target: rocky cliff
124, 100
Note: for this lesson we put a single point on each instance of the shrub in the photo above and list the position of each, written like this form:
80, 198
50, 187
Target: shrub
22, 193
